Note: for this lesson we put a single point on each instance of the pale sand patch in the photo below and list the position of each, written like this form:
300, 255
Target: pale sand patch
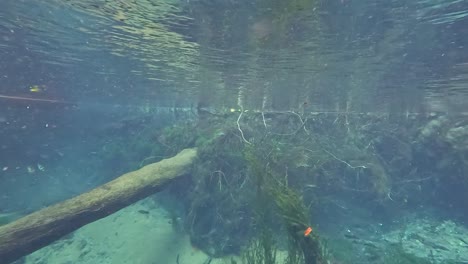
128, 236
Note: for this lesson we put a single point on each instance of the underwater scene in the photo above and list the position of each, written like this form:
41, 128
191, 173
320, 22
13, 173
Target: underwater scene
233, 131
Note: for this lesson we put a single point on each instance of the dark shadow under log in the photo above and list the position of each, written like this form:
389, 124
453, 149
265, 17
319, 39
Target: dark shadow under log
43, 227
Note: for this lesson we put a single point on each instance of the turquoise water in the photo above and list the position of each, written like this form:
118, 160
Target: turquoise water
362, 104
180, 53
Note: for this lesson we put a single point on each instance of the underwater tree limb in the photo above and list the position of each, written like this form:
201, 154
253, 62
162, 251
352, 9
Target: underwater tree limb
43, 227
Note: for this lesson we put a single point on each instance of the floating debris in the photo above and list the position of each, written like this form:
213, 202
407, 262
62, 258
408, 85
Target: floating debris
40, 167
143, 212
30, 169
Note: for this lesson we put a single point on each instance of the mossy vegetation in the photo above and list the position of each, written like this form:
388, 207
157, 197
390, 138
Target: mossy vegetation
241, 192
253, 194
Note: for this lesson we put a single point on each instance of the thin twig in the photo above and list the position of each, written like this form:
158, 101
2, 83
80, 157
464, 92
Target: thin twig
220, 174
302, 122
347, 164
245, 180
240, 130
415, 180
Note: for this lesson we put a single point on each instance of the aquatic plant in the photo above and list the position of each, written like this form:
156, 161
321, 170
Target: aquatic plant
290, 208
262, 250
218, 213
292, 165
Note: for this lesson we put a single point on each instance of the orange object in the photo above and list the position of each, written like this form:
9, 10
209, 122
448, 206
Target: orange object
308, 231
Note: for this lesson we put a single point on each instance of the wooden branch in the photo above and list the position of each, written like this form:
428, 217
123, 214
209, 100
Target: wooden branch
43, 227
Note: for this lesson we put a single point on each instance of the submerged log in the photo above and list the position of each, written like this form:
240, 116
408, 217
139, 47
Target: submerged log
43, 227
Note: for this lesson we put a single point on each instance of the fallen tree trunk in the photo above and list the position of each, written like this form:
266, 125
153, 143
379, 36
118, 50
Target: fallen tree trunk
43, 227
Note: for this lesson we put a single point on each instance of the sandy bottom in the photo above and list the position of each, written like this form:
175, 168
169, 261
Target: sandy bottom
128, 236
